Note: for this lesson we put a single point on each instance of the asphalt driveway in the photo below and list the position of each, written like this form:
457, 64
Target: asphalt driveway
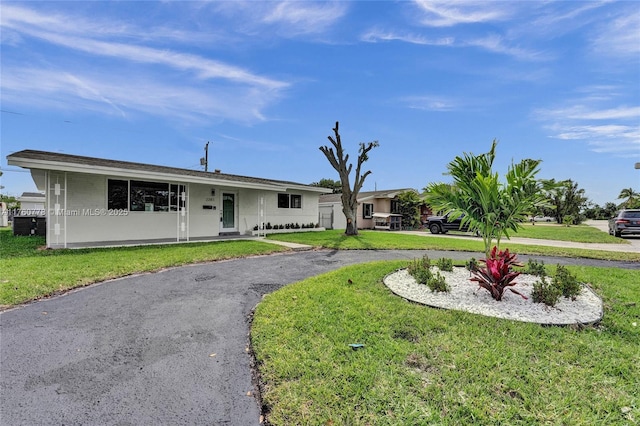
168, 348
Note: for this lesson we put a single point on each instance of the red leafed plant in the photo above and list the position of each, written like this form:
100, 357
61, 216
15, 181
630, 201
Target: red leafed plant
497, 275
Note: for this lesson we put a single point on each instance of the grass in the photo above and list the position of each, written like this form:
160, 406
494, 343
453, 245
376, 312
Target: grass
575, 233
368, 240
30, 273
430, 366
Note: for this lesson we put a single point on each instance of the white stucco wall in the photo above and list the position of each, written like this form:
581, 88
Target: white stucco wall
85, 217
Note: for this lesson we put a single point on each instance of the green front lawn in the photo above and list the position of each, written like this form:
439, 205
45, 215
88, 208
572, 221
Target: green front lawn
575, 233
28, 272
383, 240
422, 365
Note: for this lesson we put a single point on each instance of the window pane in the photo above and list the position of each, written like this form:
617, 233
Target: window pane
149, 196
283, 201
117, 194
296, 201
175, 197
367, 210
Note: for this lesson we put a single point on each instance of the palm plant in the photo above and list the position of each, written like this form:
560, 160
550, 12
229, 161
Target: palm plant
629, 194
491, 208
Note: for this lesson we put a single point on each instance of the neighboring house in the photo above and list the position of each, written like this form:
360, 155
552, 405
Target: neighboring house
376, 210
94, 201
31, 204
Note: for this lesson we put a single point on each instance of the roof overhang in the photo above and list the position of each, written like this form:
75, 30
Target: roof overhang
171, 176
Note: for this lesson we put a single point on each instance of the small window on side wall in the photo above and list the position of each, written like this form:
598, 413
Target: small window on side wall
296, 201
367, 211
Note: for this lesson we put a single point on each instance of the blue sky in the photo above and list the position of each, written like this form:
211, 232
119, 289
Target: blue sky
265, 82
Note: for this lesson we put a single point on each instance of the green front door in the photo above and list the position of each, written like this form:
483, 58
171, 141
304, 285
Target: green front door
228, 211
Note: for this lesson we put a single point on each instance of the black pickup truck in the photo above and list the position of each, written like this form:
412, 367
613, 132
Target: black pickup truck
442, 224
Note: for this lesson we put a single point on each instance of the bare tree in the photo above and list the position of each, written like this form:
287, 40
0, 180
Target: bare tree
340, 162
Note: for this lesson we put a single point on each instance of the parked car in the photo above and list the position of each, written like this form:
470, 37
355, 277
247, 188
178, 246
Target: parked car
625, 222
442, 224
542, 219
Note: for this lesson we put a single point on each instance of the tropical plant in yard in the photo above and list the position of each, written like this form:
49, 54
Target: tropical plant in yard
491, 208
630, 196
497, 275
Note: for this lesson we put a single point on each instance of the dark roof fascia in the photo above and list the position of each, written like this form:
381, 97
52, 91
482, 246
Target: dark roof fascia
33, 159
367, 195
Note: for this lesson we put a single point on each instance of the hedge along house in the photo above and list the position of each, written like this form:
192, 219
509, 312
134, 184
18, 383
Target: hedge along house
92, 201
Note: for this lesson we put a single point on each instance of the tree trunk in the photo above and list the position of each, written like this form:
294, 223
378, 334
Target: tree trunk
352, 222
340, 162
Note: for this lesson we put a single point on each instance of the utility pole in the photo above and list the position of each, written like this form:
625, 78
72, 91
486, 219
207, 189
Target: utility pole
204, 161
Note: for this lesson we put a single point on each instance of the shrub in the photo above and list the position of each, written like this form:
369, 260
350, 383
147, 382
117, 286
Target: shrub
545, 292
471, 264
437, 282
535, 268
420, 269
567, 283
497, 275
445, 264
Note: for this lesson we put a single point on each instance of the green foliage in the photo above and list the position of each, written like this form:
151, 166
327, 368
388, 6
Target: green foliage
564, 284
564, 198
420, 270
409, 205
444, 264
567, 282
536, 268
12, 202
632, 198
491, 207
546, 291
438, 283
594, 211
334, 185
497, 275
471, 264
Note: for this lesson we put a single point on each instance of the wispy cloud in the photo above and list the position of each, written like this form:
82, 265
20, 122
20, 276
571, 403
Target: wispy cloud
375, 35
282, 18
304, 18
182, 84
492, 43
125, 95
448, 13
620, 36
613, 130
430, 103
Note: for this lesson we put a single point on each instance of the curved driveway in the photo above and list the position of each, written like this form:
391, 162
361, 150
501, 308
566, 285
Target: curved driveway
155, 349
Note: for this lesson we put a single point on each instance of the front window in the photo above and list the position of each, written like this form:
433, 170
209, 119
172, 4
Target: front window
296, 201
367, 211
395, 206
149, 196
283, 201
286, 201
117, 194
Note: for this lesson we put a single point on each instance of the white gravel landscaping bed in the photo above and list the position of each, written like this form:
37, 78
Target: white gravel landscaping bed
467, 296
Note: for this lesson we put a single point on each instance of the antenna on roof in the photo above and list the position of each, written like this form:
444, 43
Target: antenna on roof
204, 161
